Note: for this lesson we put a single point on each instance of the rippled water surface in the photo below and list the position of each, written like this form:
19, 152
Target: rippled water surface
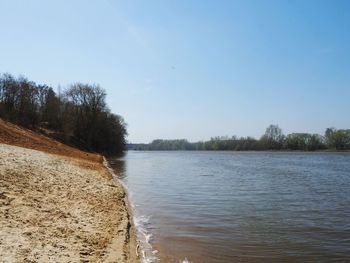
242, 207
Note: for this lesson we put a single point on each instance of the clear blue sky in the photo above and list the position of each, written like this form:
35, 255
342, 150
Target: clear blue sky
191, 69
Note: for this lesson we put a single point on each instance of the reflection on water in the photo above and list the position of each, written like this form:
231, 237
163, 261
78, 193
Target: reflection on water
242, 207
118, 166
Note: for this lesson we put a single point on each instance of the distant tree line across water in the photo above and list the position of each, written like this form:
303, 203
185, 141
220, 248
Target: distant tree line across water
79, 116
273, 139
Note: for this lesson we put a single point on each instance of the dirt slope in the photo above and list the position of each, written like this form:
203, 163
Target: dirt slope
15, 135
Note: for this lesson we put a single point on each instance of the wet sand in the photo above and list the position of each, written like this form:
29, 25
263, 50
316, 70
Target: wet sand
59, 209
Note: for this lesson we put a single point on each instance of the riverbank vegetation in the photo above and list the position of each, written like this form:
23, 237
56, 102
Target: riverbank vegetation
79, 116
273, 139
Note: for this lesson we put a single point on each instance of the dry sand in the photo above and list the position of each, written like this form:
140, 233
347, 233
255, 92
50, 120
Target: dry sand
59, 209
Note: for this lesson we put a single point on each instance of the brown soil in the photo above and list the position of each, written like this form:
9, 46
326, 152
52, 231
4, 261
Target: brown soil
15, 135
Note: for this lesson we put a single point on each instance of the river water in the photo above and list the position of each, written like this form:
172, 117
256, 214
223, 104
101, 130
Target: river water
222, 207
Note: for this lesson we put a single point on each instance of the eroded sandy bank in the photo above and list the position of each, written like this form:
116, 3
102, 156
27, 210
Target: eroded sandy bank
59, 209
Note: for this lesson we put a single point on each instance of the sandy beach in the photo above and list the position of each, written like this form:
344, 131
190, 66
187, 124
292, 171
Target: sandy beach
61, 209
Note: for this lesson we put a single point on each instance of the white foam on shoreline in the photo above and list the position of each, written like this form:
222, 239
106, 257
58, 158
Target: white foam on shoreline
148, 254
144, 247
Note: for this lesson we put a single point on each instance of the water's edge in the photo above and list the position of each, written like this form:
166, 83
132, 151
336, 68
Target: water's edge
145, 251
132, 230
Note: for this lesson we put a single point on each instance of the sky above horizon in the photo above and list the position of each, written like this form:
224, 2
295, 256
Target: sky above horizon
191, 69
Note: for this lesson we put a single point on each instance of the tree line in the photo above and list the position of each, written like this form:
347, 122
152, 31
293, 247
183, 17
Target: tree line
79, 116
272, 139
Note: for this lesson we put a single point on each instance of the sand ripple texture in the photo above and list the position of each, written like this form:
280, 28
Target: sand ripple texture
60, 209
